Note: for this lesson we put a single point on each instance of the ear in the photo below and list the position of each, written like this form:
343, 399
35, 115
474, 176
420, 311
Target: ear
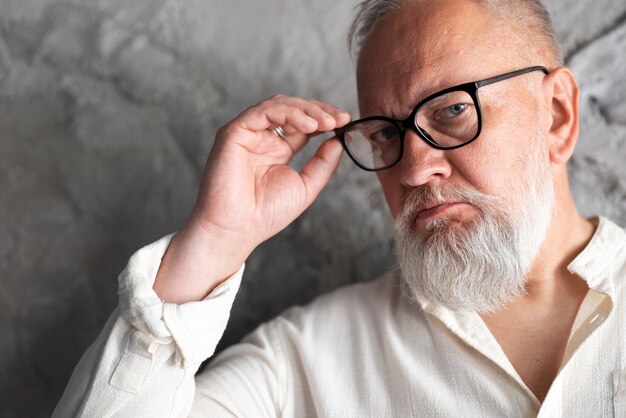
562, 100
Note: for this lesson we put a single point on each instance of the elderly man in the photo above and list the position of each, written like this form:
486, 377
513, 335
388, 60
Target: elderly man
506, 302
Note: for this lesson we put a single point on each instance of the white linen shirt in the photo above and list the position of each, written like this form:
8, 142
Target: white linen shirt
361, 351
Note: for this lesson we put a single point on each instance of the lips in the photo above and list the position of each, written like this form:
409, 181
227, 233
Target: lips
433, 209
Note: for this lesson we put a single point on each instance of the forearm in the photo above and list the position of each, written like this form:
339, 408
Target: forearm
197, 260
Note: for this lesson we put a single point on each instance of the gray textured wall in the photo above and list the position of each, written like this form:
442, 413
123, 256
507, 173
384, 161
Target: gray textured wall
107, 113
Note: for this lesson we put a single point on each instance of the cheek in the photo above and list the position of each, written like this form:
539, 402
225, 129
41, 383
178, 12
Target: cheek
505, 147
493, 165
495, 157
507, 171
392, 189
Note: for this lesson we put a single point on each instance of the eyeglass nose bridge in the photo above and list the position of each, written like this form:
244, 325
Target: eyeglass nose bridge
410, 125
417, 162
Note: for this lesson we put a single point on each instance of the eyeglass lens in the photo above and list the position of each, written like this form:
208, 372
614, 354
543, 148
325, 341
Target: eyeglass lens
448, 120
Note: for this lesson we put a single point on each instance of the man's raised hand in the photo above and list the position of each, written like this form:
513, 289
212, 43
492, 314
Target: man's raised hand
248, 192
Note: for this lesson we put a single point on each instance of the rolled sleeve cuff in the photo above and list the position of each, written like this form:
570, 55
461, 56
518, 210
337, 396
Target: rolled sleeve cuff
194, 329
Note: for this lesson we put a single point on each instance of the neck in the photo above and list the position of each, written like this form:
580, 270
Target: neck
548, 280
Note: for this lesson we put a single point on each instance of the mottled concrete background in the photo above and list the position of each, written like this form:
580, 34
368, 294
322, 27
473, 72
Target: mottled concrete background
107, 113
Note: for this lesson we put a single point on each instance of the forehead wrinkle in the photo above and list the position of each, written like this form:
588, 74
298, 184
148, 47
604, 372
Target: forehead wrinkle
403, 90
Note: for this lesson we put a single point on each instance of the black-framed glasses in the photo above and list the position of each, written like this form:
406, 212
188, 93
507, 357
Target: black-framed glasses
445, 120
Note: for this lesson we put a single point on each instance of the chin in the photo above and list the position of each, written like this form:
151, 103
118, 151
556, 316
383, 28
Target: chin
446, 228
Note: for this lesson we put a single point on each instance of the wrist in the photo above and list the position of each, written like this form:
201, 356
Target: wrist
197, 260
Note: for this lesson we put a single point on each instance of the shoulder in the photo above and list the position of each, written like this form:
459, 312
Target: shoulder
354, 301
341, 328
353, 314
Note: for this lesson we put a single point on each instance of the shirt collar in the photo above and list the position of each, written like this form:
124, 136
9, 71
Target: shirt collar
593, 264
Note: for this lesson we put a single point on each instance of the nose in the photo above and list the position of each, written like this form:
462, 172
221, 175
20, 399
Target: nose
421, 163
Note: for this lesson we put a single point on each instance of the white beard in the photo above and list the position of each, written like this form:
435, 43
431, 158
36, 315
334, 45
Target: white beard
481, 266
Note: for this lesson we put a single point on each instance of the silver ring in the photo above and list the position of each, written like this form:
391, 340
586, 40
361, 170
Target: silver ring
280, 132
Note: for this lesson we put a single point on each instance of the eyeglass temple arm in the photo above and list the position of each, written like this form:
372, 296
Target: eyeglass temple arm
511, 74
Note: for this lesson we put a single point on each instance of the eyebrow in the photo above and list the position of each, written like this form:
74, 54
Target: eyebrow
400, 110
408, 109
436, 99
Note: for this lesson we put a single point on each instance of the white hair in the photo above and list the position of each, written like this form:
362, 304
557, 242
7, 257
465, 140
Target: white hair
528, 17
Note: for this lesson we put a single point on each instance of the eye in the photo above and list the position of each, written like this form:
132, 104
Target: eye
386, 134
452, 111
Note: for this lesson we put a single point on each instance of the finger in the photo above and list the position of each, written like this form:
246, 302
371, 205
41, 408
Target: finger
319, 169
269, 111
317, 109
341, 116
297, 124
297, 141
294, 139
297, 127
325, 121
327, 115
299, 119
265, 117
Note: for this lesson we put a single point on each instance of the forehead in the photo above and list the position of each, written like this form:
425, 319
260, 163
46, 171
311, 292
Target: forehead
423, 47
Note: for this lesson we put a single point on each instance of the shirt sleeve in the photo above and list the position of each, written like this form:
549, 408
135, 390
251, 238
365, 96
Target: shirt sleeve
144, 360
247, 379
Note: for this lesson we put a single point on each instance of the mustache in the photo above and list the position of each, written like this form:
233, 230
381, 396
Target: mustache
422, 197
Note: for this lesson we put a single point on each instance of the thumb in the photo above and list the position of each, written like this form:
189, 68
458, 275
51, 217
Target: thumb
319, 169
